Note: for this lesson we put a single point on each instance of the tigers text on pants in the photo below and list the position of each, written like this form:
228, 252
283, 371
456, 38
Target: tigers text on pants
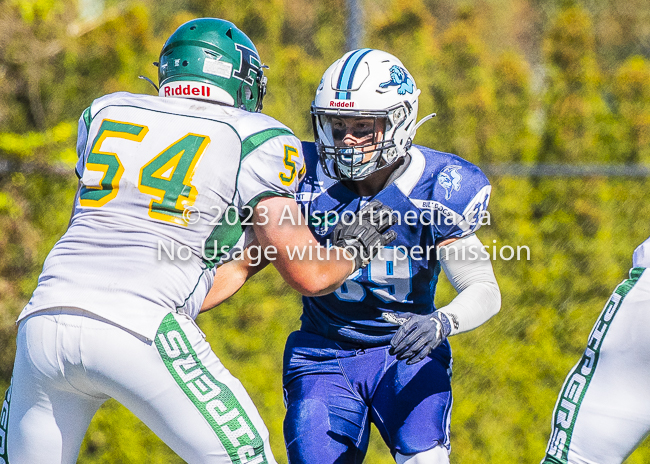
68, 362
603, 410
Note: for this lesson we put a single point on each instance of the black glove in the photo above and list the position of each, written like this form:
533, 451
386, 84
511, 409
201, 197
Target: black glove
363, 237
418, 335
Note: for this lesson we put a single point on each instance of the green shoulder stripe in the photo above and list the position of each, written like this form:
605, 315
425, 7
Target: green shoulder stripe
251, 142
626, 285
86, 117
223, 237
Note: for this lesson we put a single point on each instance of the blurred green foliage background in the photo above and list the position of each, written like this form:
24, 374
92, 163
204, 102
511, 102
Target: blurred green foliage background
512, 81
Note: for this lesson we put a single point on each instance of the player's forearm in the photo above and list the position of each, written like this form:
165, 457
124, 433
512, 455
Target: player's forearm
316, 277
473, 307
222, 289
479, 297
306, 266
229, 278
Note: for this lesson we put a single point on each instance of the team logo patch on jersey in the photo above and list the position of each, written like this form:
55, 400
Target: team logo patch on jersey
306, 197
399, 78
322, 222
450, 179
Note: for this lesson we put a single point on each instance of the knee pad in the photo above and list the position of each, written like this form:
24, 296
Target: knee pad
437, 455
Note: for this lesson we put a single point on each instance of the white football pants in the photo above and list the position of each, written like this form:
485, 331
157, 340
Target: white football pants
68, 362
603, 410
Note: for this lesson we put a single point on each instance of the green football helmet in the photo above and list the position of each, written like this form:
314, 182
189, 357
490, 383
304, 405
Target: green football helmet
211, 59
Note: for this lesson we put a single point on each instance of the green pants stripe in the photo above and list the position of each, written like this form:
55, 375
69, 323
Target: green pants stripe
4, 420
213, 399
577, 382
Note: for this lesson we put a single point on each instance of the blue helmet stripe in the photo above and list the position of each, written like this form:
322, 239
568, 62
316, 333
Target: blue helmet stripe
347, 73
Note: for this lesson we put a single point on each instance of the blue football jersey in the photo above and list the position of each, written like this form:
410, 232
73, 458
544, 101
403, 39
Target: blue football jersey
438, 196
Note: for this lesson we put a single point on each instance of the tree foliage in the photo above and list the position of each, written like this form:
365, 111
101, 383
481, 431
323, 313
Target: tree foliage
511, 80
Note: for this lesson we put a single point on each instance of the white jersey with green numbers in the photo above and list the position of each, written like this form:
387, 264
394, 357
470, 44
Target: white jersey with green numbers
167, 186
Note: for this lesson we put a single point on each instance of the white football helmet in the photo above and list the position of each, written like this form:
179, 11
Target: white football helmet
364, 83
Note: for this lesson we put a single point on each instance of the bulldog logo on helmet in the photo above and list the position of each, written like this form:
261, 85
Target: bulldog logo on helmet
399, 77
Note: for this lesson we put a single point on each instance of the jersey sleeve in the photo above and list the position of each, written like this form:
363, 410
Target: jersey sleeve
272, 165
641, 257
462, 193
82, 141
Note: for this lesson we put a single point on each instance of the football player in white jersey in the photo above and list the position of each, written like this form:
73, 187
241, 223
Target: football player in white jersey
168, 184
603, 410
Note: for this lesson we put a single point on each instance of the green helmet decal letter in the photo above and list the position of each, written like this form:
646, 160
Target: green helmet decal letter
249, 62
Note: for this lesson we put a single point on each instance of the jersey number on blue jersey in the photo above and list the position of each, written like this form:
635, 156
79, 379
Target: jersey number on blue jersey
390, 271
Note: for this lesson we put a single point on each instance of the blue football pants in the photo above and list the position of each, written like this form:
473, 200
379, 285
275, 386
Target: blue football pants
333, 392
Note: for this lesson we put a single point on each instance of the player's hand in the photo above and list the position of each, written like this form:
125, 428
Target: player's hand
418, 335
365, 235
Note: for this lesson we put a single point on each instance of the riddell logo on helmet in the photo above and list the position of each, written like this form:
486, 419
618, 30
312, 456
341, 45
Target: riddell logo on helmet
170, 91
341, 104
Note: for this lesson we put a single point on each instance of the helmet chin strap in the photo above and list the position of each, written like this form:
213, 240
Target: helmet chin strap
149, 81
422, 121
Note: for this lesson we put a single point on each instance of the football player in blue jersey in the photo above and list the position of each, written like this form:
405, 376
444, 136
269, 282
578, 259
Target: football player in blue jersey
376, 350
